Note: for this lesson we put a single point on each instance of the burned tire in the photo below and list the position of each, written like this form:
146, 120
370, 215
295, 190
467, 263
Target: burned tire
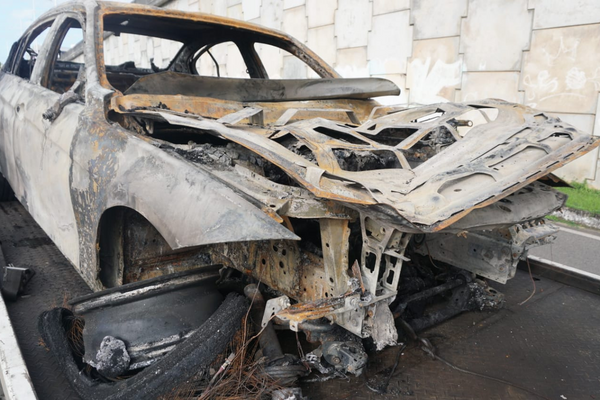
6, 192
178, 366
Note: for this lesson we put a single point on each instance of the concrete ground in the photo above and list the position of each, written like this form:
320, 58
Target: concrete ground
575, 247
547, 346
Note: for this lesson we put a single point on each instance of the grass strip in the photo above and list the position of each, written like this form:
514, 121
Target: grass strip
582, 197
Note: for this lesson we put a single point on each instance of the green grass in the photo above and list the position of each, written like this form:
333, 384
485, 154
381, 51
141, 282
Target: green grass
582, 197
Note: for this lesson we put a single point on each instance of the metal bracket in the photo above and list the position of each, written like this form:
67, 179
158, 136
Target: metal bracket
14, 280
281, 307
274, 306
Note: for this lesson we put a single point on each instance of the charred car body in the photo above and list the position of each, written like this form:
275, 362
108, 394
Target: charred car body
340, 206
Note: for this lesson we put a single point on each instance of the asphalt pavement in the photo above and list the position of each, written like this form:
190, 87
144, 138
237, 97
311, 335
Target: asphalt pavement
575, 247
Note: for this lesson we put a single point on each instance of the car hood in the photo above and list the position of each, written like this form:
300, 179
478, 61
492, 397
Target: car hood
422, 168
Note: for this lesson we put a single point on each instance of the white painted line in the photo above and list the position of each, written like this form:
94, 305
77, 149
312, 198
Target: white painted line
576, 232
565, 267
14, 376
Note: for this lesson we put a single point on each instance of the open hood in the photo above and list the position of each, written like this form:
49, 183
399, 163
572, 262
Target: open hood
425, 167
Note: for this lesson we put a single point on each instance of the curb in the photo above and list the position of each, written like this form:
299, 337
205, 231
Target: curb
562, 273
579, 217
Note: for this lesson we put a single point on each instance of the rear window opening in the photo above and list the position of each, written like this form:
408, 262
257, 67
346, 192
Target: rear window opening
128, 57
133, 50
149, 54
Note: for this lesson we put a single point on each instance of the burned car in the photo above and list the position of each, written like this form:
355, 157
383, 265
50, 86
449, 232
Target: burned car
344, 210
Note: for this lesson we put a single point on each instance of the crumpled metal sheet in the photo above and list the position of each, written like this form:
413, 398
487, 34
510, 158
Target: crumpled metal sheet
440, 175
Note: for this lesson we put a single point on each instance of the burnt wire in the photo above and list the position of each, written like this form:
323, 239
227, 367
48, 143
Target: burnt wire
431, 259
431, 353
246, 372
75, 336
400, 351
241, 355
429, 349
532, 281
382, 389
243, 378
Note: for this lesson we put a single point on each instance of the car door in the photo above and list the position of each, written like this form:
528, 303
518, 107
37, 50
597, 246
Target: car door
15, 73
41, 147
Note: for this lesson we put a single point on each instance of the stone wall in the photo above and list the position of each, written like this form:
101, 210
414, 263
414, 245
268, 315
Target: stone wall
543, 53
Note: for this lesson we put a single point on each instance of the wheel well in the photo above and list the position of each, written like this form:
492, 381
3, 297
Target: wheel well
131, 249
110, 247
124, 237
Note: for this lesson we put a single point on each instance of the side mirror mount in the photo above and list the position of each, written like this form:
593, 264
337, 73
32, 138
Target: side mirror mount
73, 95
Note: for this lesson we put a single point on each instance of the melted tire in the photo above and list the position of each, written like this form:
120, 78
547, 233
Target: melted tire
161, 378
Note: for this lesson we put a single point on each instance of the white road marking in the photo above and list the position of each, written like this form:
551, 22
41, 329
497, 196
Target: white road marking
565, 267
584, 234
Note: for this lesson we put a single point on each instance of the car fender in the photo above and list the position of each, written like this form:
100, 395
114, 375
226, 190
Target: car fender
187, 205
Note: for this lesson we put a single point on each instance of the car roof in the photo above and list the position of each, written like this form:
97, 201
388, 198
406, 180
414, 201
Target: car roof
139, 8
181, 25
